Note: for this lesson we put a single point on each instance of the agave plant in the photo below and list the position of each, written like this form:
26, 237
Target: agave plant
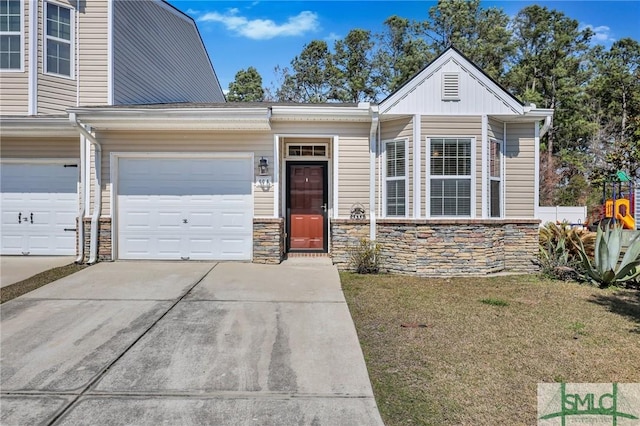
607, 269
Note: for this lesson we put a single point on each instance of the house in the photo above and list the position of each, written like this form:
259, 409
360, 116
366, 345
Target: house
443, 174
58, 54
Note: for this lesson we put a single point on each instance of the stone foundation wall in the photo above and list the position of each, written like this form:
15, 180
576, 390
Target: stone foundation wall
442, 247
268, 240
104, 239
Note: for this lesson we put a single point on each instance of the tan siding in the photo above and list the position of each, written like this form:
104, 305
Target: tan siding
353, 157
261, 144
495, 129
55, 94
93, 53
14, 96
36, 148
520, 173
400, 129
353, 184
462, 126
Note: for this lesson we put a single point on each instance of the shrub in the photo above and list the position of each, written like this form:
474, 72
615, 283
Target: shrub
558, 255
607, 268
364, 256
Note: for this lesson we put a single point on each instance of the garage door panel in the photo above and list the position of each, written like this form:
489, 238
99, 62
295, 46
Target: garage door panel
213, 196
43, 197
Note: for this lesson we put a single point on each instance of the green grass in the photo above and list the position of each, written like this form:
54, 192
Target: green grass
494, 302
474, 364
22, 287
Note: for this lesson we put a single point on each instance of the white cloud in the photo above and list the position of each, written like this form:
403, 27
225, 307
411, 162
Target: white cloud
601, 34
263, 29
332, 37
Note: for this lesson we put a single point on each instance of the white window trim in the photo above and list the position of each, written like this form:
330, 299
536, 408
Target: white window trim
395, 178
326, 146
22, 49
496, 179
71, 41
428, 177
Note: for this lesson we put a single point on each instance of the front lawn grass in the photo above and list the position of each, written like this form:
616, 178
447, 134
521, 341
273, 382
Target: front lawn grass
485, 343
43, 278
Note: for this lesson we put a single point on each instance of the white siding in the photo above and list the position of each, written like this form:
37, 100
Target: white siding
520, 171
159, 57
476, 98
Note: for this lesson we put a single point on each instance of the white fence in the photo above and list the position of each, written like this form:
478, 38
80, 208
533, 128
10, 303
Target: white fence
572, 215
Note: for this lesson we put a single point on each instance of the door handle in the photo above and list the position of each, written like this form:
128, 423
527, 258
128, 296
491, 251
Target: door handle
185, 221
31, 217
19, 217
324, 207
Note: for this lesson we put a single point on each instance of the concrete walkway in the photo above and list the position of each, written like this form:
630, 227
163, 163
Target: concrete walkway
17, 268
150, 343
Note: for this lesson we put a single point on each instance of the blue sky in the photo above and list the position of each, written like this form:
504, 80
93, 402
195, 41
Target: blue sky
263, 34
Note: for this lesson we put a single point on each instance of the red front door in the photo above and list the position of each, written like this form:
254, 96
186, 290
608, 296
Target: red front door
307, 206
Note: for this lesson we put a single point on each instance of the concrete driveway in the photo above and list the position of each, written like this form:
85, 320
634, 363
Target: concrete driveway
150, 343
18, 268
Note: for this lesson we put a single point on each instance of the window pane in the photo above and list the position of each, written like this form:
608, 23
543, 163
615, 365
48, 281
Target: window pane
450, 197
451, 157
4, 23
495, 198
14, 23
319, 151
14, 7
396, 198
64, 67
395, 152
10, 52
4, 43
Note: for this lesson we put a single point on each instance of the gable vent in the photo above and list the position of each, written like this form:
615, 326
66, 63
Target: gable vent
450, 86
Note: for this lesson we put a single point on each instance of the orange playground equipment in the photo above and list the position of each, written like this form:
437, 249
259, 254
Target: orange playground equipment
620, 207
620, 210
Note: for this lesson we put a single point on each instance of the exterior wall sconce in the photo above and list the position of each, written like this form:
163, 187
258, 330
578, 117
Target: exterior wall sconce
263, 167
263, 181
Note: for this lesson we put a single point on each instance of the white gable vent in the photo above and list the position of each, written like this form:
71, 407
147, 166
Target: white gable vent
450, 86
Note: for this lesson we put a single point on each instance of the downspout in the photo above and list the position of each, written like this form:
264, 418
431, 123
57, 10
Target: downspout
545, 126
373, 139
97, 206
81, 211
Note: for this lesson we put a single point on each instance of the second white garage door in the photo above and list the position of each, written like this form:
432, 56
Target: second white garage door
185, 208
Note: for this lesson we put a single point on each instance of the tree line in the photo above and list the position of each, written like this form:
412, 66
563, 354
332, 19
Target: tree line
541, 55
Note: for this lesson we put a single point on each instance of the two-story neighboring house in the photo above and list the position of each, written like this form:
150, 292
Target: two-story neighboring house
58, 54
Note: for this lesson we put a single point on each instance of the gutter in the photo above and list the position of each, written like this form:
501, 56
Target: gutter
546, 126
97, 207
373, 139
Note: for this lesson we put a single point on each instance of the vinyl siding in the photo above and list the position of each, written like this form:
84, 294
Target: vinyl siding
454, 126
55, 94
353, 157
520, 171
38, 148
159, 57
14, 96
261, 144
93, 61
398, 129
495, 130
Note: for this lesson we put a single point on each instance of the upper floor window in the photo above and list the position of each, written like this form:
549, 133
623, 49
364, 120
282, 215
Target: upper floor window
58, 40
450, 180
10, 34
396, 178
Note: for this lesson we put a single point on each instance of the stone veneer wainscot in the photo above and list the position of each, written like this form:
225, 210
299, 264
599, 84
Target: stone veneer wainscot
437, 247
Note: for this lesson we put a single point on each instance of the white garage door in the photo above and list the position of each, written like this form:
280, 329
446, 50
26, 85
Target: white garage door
187, 208
39, 206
